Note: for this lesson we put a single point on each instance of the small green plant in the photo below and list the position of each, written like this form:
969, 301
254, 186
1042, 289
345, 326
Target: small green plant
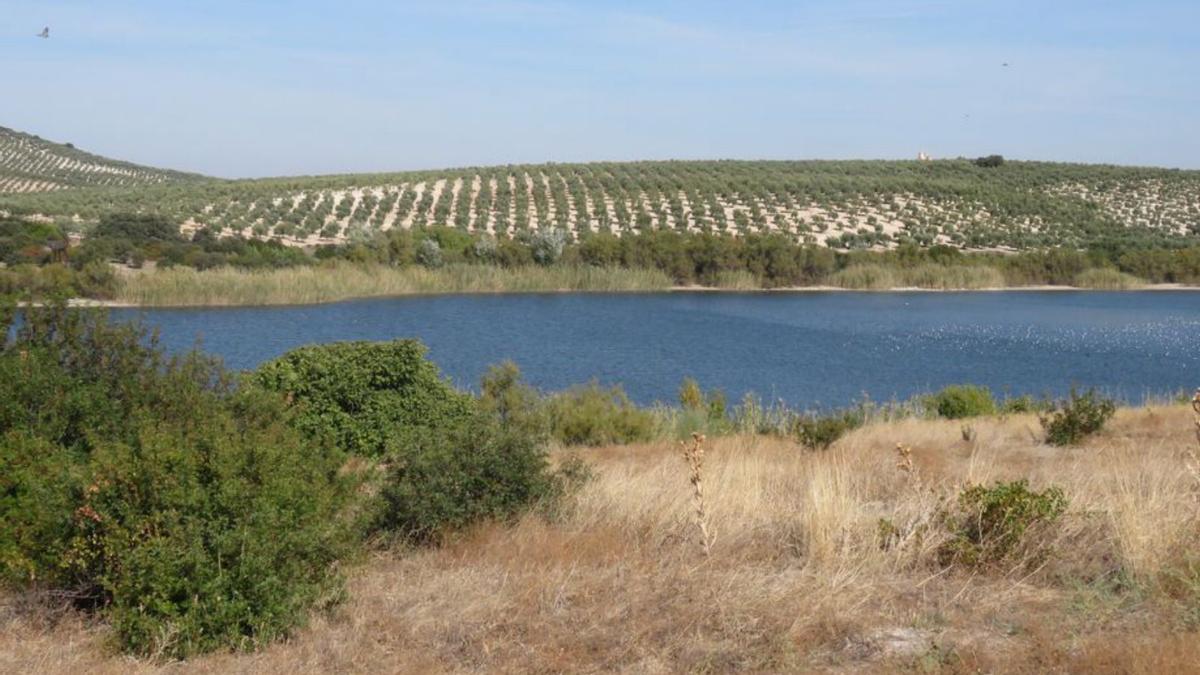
818, 432
592, 415
707, 411
1023, 404
1079, 416
963, 400
991, 522
690, 395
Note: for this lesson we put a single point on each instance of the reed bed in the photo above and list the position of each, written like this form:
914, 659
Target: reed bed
798, 579
871, 277
311, 285
1107, 279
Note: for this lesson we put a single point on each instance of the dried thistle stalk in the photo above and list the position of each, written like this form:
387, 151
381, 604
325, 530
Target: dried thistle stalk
693, 454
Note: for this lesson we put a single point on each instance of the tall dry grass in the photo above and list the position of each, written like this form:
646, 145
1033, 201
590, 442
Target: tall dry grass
310, 285
799, 579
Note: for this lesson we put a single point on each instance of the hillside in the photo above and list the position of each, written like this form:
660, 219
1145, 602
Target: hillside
32, 164
841, 204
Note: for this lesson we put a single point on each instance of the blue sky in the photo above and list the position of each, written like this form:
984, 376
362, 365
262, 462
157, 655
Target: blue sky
272, 88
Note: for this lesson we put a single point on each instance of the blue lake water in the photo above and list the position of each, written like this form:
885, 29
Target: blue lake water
809, 349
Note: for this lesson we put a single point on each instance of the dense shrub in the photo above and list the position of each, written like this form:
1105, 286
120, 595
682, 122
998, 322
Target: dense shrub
136, 227
960, 401
991, 522
448, 459
546, 246
1077, 417
447, 477
183, 507
370, 396
429, 254
95, 280
990, 161
819, 432
592, 415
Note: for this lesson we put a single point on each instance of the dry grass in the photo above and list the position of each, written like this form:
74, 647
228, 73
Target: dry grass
796, 581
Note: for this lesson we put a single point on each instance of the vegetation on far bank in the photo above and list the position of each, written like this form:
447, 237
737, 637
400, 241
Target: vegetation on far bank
144, 260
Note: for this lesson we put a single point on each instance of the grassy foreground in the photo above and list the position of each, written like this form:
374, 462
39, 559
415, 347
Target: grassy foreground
797, 580
307, 285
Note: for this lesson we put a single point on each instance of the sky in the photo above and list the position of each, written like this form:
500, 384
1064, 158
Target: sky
244, 88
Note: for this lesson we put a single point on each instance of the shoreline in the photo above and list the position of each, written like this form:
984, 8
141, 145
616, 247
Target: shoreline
93, 303
918, 289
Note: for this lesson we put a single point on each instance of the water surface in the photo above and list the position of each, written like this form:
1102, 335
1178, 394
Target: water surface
807, 349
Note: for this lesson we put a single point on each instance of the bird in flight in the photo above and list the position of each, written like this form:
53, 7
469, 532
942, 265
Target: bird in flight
1005, 64
45, 33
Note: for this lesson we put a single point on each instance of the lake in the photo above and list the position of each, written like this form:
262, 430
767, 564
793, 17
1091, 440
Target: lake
808, 349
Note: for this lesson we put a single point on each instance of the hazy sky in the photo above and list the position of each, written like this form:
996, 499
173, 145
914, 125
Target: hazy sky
242, 88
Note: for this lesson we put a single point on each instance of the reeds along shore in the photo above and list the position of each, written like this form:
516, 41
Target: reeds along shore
184, 286
801, 577
305, 285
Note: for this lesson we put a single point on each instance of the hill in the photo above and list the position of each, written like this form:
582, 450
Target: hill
32, 164
841, 204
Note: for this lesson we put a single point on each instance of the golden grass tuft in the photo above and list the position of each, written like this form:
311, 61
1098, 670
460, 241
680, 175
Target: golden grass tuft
799, 579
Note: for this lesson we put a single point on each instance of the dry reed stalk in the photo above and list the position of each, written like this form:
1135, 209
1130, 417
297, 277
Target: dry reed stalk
693, 454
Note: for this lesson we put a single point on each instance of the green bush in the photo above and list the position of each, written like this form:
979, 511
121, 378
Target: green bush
505, 395
136, 227
1077, 417
182, 507
592, 415
370, 396
448, 459
965, 400
448, 477
819, 432
991, 522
